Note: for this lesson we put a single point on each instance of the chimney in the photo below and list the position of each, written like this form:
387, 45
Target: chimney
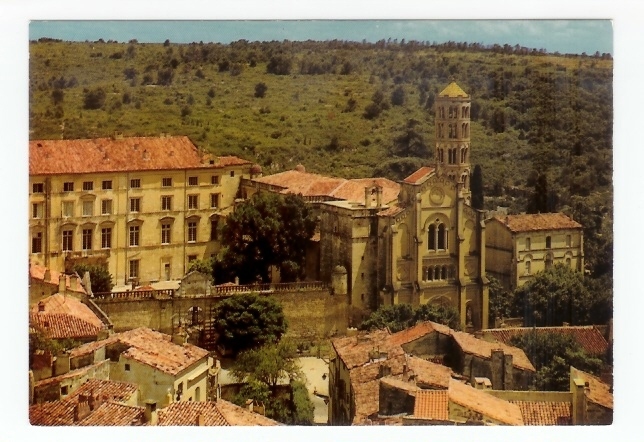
62, 283
41, 306
73, 282
507, 372
367, 197
497, 368
378, 196
180, 336
150, 414
81, 409
578, 390
47, 276
201, 420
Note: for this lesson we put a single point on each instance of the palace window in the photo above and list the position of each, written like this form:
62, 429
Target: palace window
166, 182
37, 210
106, 207
166, 233
193, 181
437, 237
87, 239
134, 269
527, 267
36, 243
214, 200
88, 208
135, 183
548, 242
568, 240
88, 185
68, 209
166, 202
106, 185
214, 180
37, 187
192, 258
193, 201
106, 238
568, 262
213, 230
68, 186
134, 235
192, 231
135, 204
68, 240
548, 261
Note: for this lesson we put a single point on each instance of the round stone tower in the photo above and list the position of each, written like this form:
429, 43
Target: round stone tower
452, 121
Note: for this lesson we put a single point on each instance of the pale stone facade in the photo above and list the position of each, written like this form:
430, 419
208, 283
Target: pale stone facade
143, 206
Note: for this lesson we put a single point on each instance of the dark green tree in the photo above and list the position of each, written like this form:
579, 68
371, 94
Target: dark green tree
248, 321
99, 276
94, 98
410, 143
442, 314
501, 301
476, 186
279, 65
57, 96
398, 96
401, 316
260, 90
397, 169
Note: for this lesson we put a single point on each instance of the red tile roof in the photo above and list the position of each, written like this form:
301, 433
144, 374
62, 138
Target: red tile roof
220, 413
312, 185
431, 405
38, 272
63, 326
537, 222
391, 211
598, 391
418, 331
112, 390
50, 157
478, 347
429, 374
357, 350
545, 413
150, 348
484, 403
52, 413
420, 175
587, 336
68, 305
113, 414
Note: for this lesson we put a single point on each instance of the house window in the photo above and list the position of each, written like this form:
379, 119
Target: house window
127, 366
68, 186
527, 244
106, 207
214, 180
192, 258
548, 261
568, 262
214, 235
134, 269
166, 182
106, 185
527, 267
135, 204
135, 183
192, 231
87, 239
37, 210
232, 173
68, 209
166, 233
36, 243
106, 238
193, 181
64, 390
37, 188
134, 235
214, 200
88, 185
568, 240
548, 242
68, 240
193, 201
88, 208
166, 202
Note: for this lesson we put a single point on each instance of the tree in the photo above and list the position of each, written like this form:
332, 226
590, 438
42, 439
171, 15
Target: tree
93, 99
268, 230
100, 277
398, 96
269, 364
260, 90
476, 185
442, 314
57, 96
401, 316
500, 305
164, 77
248, 321
559, 295
410, 143
552, 354
201, 266
397, 169
279, 65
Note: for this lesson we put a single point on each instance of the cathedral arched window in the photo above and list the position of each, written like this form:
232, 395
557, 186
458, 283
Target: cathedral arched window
451, 112
444, 272
431, 237
437, 273
442, 237
437, 235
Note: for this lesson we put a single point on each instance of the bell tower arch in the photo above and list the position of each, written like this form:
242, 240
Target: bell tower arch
452, 126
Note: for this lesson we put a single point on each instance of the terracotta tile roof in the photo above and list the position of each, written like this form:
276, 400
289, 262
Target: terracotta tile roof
69, 305
151, 348
63, 326
418, 331
112, 390
420, 175
391, 211
113, 414
545, 413
355, 350
49, 157
484, 403
38, 272
598, 391
312, 185
432, 405
52, 413
401, 383
587, 336
453, 90
220, 413
429, 374
469, 344
537, 222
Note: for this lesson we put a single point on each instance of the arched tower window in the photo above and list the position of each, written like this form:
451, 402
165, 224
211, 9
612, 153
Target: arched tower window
431, 237
442, 237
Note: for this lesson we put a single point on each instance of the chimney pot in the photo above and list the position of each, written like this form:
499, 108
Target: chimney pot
47, 276
41, 306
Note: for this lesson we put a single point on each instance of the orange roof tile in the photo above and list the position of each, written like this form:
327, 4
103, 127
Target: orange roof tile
420, 175
598, 391
355, 350
113, 414
220, 413
150, 348
484, 403
418, 331
52, 413
429, 374
431, 405
49, 157
113, 390
453, 90
312, 184
470, 344
69, 305
63, 326
536, 222
391, 211
545, 413
38, 272
587, 336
